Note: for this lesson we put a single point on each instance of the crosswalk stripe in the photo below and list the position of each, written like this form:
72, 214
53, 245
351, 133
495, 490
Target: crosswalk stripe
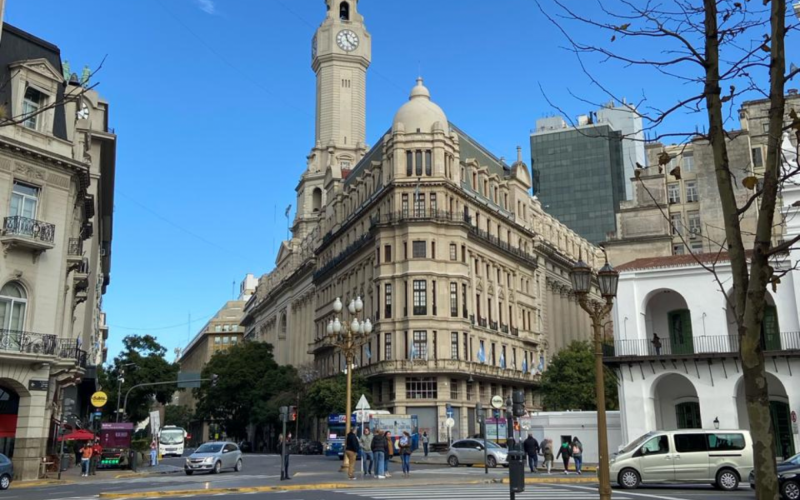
474, 492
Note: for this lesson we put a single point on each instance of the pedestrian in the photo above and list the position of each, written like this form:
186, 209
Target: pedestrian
378, 448
425, 441
656, 344
564, 453
531, 446
153, 452
389, 453
366, 451
97, 452
86, 457
351, 449
404, 444
577, 453
284, 454
76, 449
547, 453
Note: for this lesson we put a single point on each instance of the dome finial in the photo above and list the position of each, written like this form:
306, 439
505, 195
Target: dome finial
420, 90
519, 154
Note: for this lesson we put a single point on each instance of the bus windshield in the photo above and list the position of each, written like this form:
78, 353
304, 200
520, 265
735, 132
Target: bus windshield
171, 436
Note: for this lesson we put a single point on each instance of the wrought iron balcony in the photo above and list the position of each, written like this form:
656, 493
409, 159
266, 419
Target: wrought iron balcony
75, 248
27, 342
510, 250
438, 366
472, 318
698, 346
515, 331
69, 349
493, 325
482, 322
29, 233
504, 328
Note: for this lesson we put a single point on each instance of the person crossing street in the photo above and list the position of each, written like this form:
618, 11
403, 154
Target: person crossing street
378, 447
531, 446
366, 451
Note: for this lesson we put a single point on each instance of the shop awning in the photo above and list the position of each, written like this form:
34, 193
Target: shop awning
79, 435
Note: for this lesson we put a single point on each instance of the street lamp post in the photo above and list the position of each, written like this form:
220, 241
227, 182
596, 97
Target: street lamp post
608, 279
349, 337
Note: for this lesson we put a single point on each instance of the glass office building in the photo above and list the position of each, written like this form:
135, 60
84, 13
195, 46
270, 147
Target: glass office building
579, 176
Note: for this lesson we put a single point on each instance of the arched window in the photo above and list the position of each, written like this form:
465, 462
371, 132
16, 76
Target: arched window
316, 199
344, 11
13, 303
282, 331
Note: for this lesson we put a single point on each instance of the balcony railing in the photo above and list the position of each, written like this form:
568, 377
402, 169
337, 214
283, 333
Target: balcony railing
27, 342
503, 328
419, 215
343, 256
421, 366
515, 331
699, 345
472, 318
17, 225
493, 325
482, 322
504, 246
75, 248
68, 349
41, 344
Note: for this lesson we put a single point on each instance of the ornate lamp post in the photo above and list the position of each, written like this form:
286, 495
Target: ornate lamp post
608, 279
349, 337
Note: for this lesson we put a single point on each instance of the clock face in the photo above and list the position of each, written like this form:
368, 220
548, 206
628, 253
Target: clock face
347, 40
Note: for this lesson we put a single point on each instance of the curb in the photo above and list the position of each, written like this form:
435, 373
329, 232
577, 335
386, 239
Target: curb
268, 489
39, 482
557, 480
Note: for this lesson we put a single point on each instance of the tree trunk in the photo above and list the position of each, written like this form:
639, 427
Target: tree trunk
749, 292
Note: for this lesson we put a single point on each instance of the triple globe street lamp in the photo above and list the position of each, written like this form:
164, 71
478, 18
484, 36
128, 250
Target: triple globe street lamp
349, 337
607, 280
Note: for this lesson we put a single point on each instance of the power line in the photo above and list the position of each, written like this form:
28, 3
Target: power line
158, 328
178, 226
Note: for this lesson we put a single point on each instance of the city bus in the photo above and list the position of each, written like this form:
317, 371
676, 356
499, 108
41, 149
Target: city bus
171, 440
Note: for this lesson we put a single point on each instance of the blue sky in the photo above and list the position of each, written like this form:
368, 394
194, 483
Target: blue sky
213, 102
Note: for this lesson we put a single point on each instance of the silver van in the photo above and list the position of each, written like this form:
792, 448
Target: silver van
722, 458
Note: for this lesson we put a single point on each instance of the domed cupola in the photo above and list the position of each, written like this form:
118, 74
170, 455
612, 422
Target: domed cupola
420, 114
520, 170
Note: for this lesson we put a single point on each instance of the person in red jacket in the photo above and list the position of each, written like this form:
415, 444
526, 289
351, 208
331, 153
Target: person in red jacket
97, 451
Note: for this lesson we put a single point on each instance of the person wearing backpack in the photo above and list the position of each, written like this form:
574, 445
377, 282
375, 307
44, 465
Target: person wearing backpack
547, 453
564, 453
577, 453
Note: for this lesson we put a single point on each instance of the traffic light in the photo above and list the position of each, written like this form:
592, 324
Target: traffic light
292, 413
518, 399
479, 412
214, 378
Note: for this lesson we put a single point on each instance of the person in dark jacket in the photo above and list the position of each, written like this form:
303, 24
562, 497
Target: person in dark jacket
351, 449
531, 446
379, 451
564, 453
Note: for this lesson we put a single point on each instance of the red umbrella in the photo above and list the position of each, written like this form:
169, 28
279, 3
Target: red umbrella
79, 435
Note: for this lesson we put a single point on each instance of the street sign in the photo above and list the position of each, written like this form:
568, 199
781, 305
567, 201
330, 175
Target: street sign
497, 402
449, 410
794, 417
155, 422
99, 399
450, 423
362, 404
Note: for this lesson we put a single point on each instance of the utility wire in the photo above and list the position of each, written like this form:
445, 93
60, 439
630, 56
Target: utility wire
159, 328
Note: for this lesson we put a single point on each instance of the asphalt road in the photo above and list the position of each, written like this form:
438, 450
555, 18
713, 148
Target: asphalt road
264, 470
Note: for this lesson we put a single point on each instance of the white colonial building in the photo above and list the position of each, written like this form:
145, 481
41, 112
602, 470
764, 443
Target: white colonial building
676, 349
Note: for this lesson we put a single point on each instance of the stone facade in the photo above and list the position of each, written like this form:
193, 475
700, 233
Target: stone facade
57, 161
673, 215
464, 275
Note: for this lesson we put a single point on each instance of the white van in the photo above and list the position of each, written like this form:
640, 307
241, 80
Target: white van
722, 458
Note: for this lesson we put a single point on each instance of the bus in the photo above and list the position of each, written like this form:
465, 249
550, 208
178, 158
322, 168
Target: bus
171, 440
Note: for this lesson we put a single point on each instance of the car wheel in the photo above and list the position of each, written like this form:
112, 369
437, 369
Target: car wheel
189, 472
629, 479
491, 462
727, 480
5, 482
238, 467
452, 461
217, 468
790, 490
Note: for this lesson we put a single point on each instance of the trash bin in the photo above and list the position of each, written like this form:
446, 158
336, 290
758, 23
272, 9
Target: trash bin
516, 471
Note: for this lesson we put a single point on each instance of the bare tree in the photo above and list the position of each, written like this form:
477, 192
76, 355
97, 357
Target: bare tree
721, 51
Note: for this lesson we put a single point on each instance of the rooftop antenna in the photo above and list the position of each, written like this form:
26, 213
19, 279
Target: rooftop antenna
233, 289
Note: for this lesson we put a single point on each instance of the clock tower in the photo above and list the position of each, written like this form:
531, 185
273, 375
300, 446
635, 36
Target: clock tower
340, 55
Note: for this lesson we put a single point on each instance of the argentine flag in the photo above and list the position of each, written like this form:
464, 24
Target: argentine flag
525, 364
482, 355
541, 363
503, 361
368, 352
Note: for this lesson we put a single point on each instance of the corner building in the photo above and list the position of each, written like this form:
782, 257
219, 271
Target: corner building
464, 276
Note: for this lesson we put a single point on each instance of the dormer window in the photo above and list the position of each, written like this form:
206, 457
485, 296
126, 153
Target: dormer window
31, 108
344, 11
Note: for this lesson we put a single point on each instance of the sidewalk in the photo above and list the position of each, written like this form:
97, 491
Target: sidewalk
441, 459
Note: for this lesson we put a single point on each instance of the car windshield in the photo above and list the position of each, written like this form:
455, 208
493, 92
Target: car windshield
490, 444
795, 460
209, 448
171, 437
636, 443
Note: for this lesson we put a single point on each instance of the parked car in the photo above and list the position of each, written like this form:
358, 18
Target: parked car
313, 448
470, 452
721, 458
335, 448
6, 472
788, 478
213, 457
